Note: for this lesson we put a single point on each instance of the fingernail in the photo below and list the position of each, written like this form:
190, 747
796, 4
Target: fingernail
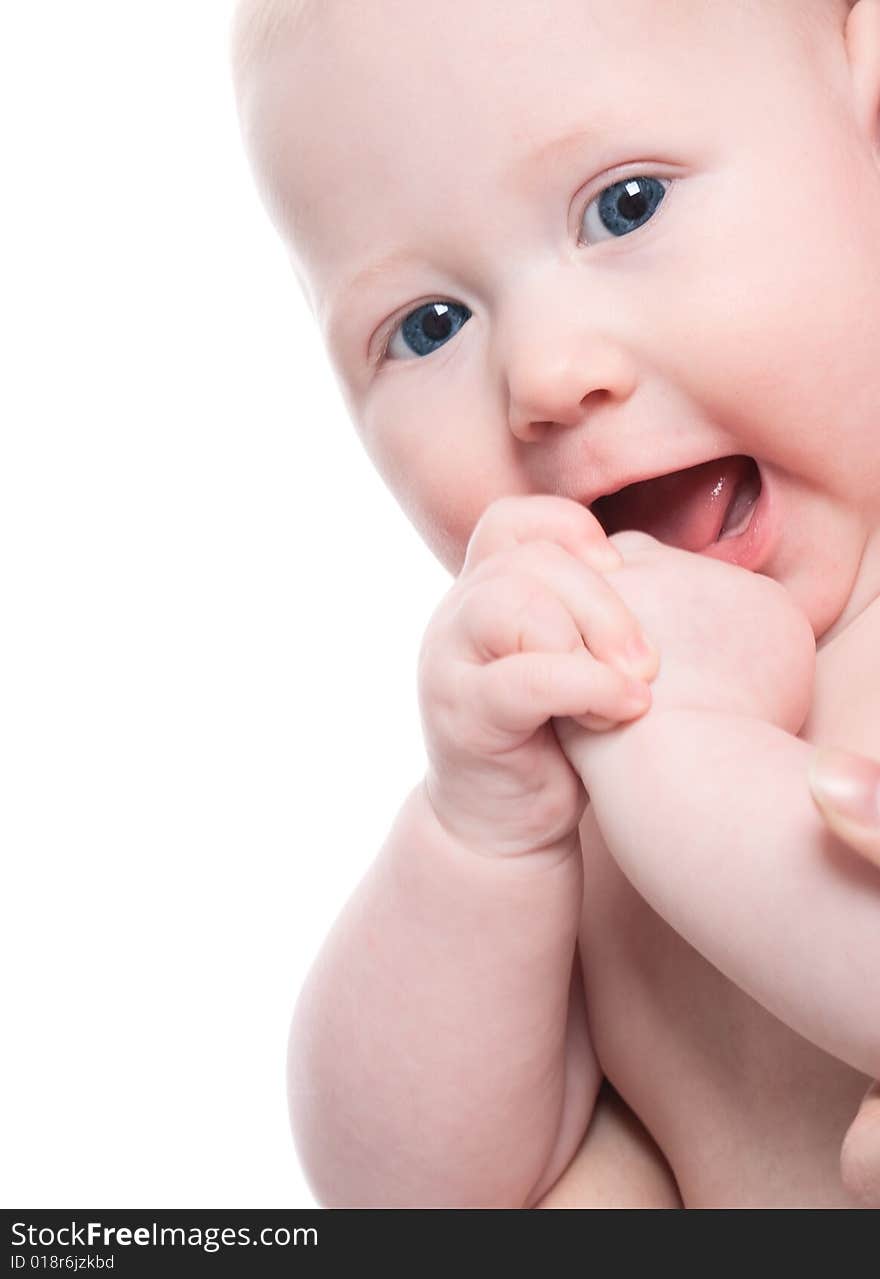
638, 653
596, 723
638, 693
640, 646
848, 784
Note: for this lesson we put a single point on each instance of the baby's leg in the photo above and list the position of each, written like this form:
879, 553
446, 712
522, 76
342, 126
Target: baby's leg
618, 1165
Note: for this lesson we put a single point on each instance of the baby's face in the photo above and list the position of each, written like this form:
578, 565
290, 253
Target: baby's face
508, 316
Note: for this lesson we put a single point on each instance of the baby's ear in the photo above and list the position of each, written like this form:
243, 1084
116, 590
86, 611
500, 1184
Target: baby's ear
863, 50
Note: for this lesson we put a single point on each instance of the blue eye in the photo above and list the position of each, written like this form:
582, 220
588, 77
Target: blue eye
426, 329
624, 206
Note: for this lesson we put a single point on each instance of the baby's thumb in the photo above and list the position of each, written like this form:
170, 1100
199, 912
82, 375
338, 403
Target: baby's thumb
846, 789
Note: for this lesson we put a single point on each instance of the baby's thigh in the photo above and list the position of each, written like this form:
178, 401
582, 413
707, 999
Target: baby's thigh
618, 1165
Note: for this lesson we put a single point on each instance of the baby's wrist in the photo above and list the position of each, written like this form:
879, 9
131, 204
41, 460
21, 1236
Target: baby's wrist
449, 885
592, 755
633, 747
476, 838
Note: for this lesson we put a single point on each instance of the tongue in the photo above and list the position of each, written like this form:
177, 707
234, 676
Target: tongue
685, 509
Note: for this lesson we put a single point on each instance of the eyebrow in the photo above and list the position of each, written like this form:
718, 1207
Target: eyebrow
550, 153
333, 306
393, 262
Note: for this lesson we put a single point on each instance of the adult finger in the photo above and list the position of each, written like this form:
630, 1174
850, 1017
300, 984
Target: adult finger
846, 790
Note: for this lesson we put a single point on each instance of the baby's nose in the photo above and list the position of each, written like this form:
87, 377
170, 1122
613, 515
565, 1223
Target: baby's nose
554, 381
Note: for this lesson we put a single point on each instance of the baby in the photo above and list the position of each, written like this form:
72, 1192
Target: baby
599, 279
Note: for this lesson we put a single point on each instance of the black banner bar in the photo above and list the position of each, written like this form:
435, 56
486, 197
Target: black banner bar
180, 1242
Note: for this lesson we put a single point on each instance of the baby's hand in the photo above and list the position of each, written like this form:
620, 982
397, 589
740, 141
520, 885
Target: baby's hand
729, 639
531, 630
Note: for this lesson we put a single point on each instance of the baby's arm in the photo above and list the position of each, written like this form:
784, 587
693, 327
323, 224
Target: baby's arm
704, 801
710, 817
439, 1050
429, 1064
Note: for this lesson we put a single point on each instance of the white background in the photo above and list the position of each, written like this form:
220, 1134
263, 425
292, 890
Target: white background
211, 611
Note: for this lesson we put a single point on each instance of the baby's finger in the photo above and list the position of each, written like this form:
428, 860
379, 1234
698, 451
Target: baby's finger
511, 521
596, 723
602, 619
513, 612
517, 694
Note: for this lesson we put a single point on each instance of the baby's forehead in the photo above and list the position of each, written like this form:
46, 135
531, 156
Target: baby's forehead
258, 24
478, 43
361, 107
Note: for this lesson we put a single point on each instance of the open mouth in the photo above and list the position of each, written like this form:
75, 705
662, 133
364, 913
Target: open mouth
691, 509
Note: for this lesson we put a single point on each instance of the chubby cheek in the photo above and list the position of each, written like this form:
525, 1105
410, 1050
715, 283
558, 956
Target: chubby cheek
821, 601
444, 508
819, 559
443, 468
781, 313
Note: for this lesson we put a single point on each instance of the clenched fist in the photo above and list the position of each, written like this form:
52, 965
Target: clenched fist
729, 640
531, 630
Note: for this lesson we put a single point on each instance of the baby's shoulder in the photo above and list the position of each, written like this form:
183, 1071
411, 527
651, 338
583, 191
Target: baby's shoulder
845, 712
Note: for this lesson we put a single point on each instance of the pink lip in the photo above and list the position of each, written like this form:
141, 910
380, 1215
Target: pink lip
752, 548
626, 480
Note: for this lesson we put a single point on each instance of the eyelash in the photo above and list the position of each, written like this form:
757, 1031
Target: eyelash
383, 357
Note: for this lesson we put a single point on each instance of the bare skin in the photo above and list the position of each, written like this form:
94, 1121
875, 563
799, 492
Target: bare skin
760, 1094
849, 804
578, 360
618, 1163
755, 1080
